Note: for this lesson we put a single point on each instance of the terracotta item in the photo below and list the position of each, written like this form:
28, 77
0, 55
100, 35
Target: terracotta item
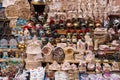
69, 51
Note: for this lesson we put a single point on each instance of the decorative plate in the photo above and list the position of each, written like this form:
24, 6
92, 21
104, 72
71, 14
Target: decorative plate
22, 4
11, 11
13, 43
46, 50
24, 13
4, 43
58, 54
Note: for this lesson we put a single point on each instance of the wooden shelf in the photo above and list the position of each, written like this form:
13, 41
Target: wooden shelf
60, 31
38, 3
3, 60
77, 62
70, 61
9, 49
107, 51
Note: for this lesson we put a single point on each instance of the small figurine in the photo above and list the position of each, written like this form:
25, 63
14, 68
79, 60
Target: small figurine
96, 44
3, 43
69, 52
88, 41
13, 43
26, 33
98, 67
5, 55
91, 66
80, 45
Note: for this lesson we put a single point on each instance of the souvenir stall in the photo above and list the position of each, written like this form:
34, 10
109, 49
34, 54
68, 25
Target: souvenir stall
52, 40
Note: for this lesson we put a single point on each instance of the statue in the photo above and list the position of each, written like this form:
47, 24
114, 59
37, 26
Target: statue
88, 41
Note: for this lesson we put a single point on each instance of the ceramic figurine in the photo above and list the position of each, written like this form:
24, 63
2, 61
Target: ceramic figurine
63, 39
5, 55
106, 67
91, 66
74, 67
82, 66
62, 45
68, 37
89, 56
61, 75
46, 50
88, 41
34, 46
13, 43
115, 66
26, 34
98, 68
69, 51
96, 44
80, 45
74, 39
3, 43
66, 66
54, 66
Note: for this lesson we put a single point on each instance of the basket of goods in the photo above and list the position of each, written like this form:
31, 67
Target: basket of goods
58, 54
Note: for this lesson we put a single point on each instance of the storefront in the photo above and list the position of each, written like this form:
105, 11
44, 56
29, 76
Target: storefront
59, 40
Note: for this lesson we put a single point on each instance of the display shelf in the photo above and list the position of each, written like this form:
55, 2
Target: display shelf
38, 3
51, 61
60, 31
4, 60
9, 49
107, 51
74, 61
11, 59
